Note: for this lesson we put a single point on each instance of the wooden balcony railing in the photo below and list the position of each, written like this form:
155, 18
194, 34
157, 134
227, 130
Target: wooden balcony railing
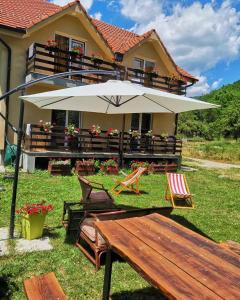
57, 140
42, 60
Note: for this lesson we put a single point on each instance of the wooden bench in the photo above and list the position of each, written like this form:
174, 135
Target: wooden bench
44, 287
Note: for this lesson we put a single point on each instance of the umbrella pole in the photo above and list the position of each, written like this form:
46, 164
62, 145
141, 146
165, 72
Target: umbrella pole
17, 163
121, 141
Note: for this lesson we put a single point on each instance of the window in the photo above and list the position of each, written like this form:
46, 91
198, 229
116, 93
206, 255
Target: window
64, 118
145, 65
138, 64
141, 122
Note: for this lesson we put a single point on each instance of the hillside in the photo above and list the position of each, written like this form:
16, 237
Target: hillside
215, 123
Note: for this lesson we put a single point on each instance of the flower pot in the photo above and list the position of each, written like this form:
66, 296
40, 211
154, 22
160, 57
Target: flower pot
163, 168
32, 226
110, 170
84, 169
59, 170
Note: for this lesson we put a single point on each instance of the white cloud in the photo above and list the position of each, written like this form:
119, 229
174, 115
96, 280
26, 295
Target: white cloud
86, 3
197, 36
97, 15
203, 87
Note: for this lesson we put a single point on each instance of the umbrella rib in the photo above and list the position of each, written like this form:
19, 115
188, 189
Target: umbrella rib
63, 99
158, 104
124, 102
106, 99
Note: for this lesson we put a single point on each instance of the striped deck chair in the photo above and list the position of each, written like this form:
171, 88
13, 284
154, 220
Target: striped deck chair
177, 191
128, 182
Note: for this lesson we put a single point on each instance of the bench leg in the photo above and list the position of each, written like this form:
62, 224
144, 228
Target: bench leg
107, 276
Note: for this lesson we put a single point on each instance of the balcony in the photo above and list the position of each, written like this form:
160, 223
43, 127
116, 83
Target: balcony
57, 144
44, 61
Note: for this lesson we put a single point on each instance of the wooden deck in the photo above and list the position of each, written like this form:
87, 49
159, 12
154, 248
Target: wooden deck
179, 262
42, 61
57, 143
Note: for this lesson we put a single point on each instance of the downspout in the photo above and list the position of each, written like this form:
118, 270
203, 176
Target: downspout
9, 60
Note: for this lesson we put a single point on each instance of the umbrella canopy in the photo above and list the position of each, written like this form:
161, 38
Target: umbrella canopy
116, 97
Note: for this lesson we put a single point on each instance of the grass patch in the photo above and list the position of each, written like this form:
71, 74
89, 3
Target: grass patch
217, 215
220, 150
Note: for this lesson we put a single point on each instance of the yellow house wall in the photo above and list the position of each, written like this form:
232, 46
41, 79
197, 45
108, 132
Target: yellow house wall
72, 27
147, 52
67, 25
3, 81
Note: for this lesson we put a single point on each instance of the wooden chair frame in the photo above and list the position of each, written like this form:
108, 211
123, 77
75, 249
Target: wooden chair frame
129, 187
80, 207
97, 248
170, 196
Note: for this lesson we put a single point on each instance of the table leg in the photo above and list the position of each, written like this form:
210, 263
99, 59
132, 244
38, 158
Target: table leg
107, 276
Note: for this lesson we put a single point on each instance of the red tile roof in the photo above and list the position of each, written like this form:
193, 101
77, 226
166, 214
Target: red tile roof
121, 40
23, 14
118, 39
185, 73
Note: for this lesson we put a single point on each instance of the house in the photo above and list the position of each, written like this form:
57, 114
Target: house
44, 38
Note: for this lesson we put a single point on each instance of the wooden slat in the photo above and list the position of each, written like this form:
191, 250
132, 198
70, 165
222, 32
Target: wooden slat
221, 276
158, 271
44, 287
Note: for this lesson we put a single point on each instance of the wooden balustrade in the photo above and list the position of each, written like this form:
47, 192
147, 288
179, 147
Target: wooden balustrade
50, 61
57, 140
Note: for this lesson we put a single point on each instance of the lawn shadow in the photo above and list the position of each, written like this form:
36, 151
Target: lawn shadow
130, 193
50, 232
184, 222
7, 287
148, 293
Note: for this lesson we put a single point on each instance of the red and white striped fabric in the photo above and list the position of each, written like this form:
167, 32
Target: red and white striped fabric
177, 184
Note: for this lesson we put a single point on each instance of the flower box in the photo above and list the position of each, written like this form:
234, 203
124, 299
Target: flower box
163, 168
57, 168
110, 167
137, 164
85, 168
110, 170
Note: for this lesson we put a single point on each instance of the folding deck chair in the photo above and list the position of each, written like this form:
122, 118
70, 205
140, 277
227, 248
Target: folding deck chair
177, 191
128, 182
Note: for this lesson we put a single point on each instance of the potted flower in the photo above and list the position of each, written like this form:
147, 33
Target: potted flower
152, 74
135, 136
112, 132
76, 52
51, 46
85, 167
95, 130
135, 164
110, 166
58, 167
71, 133
33, 218
45, 126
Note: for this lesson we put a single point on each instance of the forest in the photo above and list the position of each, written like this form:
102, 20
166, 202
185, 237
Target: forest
214, 123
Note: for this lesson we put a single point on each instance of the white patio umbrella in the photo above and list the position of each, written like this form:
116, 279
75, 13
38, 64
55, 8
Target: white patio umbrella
116, 97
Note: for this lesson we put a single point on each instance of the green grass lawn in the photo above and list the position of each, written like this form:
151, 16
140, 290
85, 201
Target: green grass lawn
217, 215
219, 150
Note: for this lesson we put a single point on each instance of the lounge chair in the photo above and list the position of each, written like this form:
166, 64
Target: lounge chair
128, 182
91, 201
89, 235
177, 191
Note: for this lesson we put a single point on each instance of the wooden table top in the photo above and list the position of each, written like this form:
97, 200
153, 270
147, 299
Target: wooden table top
174, 259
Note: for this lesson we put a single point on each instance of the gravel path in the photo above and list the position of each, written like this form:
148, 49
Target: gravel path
209, 164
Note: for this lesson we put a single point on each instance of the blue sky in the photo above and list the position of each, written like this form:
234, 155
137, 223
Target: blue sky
202, 36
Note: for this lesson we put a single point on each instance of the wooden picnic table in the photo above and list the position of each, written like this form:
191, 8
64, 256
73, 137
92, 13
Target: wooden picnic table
179, 262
